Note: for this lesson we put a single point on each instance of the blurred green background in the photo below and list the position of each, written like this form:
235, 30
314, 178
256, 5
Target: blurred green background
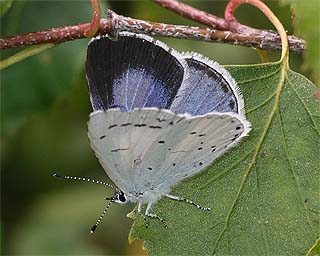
44, 111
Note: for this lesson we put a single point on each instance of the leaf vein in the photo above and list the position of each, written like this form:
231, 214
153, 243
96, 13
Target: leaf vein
284, 68
304, 105
262, 104
263, 226
260, 77
224, 171
285, 145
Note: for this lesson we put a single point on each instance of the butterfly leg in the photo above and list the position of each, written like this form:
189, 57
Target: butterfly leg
146, 222
139, 207
178, 198
155, 216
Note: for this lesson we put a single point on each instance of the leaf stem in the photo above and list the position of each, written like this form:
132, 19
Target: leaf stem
234, 4
95, 22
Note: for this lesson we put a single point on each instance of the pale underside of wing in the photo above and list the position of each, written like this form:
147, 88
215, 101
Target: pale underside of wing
151, 149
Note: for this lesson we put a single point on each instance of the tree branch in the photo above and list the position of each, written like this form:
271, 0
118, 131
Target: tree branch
229, 23
115, 23
194, 14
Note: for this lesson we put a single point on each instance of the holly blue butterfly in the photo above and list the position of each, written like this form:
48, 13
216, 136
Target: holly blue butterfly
159, 117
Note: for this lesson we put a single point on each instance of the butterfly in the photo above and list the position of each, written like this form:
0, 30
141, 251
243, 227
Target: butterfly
159, 117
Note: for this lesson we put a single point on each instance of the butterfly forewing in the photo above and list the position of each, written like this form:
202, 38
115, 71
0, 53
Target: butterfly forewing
133, 71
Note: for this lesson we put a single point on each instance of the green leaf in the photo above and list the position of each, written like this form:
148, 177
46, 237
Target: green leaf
5, 6
30, 87
306, 21
264, 194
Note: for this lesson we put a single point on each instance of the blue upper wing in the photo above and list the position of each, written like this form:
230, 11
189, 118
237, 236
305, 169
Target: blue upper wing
209, 87
132, 72
136, 71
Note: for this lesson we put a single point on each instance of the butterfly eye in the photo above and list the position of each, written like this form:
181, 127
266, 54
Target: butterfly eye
121, 198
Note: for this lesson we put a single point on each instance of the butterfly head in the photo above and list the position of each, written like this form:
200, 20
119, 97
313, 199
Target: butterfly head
119, 197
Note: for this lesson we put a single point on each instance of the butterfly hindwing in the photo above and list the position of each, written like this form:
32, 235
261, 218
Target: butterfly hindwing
209, 87
151, 148
188, 146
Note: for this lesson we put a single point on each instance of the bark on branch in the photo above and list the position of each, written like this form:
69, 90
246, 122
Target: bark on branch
240, 35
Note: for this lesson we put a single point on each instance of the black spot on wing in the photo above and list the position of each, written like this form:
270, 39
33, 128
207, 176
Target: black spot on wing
119, 149
232, 104
154, 126
224, 86
160, 120
180, 119
126, 124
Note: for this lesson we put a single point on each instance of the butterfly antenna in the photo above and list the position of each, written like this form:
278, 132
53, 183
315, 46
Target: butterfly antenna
94, 227
82, 179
